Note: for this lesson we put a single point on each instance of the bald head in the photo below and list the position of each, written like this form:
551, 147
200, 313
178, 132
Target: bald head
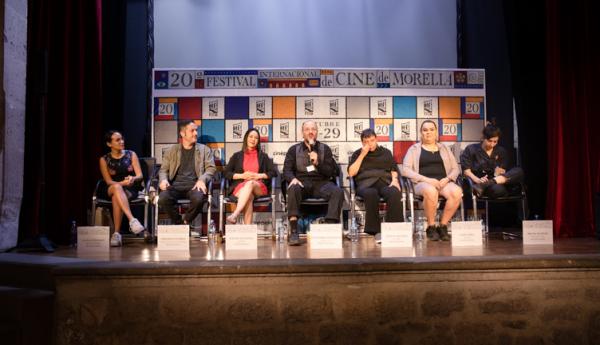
309, 131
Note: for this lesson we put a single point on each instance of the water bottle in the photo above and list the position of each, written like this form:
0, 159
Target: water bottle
212, 230
353, 230
420, 228
73, 233
281, 229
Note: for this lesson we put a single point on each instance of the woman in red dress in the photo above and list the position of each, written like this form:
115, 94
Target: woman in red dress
250, 171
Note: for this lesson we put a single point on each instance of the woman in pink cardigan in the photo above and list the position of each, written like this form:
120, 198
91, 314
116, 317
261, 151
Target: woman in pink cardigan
433, 170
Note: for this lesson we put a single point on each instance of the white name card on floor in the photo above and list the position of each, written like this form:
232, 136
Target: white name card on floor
325, 236
241, 236
394, 235
93, 238
173, 237
537, 232
467, 234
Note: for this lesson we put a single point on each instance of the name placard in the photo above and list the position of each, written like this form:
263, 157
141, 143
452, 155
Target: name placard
241, 237
173, 237
394, 235
537, 232
466, 234
325, 236
93, 238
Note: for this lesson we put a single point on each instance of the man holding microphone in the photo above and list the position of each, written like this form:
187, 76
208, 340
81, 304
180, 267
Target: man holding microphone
310, 170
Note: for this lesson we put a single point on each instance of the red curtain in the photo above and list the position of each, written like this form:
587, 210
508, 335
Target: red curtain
573, 99
64, 114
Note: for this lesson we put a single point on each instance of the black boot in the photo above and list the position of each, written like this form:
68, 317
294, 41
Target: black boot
443, 232
479, 188
432, 234
294, 237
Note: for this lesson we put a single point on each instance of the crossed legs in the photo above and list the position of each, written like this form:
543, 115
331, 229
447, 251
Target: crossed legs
120, 204
244, 204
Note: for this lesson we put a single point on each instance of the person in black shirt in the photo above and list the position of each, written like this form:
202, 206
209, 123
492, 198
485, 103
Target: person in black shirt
376, 175
309, 168
487, 165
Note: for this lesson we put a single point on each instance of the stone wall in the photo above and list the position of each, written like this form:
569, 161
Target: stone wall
11, 157
499, 307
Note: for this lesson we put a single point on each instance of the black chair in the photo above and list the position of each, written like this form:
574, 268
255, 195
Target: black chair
265, 200
412, 197
310, 201
355, 198
182, 203
519, 195
148, 166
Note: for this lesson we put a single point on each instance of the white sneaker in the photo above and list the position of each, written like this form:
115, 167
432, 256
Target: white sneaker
135, 226
115, 240
378, 238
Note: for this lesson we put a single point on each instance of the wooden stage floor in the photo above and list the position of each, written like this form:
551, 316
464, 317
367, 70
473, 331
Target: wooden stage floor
495, 247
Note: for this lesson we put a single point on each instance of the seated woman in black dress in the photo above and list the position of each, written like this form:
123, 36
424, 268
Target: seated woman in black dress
251, 171
122, 176
488, 166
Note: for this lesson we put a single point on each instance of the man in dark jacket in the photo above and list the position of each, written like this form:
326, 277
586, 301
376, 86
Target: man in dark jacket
309, 169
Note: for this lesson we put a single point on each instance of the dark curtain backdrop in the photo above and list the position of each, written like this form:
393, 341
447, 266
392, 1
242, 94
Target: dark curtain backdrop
573, 73
64, 115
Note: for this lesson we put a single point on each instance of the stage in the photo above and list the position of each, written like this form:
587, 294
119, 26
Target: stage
501, 293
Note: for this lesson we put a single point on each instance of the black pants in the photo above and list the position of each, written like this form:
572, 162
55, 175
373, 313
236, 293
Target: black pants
514, 176
319, 189
371, 195
168, 198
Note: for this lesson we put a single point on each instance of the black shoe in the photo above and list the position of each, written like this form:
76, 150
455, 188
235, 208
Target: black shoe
443, 232
294, 237
432, 233
479, 188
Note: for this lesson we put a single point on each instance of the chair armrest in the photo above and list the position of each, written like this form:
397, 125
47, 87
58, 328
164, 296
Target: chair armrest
410, 189
284, 185
96, 189
210, 186
352, 185
222, 187
469, 183
523, 189
339, 178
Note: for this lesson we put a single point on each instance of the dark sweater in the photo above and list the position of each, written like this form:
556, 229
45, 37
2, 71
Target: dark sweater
377, 165
325, 170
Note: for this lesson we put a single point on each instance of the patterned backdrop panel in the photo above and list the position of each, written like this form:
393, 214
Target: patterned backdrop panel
394, 103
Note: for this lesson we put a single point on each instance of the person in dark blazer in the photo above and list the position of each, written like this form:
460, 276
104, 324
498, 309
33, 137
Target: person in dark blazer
250, 171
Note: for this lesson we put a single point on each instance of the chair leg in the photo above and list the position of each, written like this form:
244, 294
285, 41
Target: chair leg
273, 220
462, 210
92, 220
221, 210
404, 208
208, 214
155, 230
411, 202
146, 216
487, 216
475, 215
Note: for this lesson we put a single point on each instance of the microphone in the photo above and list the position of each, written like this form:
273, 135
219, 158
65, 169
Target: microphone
311, 142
